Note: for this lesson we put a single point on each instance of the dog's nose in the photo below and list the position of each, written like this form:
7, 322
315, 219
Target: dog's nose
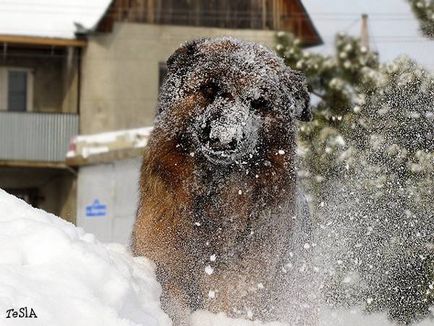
224, 129
222, 135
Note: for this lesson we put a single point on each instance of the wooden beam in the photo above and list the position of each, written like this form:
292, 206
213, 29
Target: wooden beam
47, 41
150, 11
264, 14
34, 164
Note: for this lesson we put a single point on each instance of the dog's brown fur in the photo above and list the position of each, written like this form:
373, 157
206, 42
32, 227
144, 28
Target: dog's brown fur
192, 207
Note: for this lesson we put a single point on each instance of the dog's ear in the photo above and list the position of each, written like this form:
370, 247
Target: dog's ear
299, 91
183, 57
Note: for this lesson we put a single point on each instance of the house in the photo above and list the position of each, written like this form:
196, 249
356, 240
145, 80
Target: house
40, 55
97, 71
124, 61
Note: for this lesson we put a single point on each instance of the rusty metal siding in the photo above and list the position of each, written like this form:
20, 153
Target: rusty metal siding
31, 136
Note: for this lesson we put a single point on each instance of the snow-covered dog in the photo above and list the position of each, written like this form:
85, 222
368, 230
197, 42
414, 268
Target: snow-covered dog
217, 209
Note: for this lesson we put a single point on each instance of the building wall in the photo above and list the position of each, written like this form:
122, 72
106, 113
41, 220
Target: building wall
70, 80
60, 197
53, 190
115, 186
26, 156
120, 71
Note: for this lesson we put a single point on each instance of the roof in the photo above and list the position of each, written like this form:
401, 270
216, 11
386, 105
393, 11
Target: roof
314, 37
286, 15
49, 18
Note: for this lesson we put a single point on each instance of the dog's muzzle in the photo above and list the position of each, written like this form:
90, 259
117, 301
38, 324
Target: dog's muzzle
226, 131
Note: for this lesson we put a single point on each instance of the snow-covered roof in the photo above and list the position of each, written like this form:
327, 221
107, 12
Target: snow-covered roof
50, 18
86, 146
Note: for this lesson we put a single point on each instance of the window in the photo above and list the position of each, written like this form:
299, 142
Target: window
16, 89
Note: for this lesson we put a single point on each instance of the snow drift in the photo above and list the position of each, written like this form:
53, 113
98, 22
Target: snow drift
67, 276
71, 279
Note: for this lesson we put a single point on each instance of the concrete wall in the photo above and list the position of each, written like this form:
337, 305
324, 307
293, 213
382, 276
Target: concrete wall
60, 197
70, 80
120, 71
114, 186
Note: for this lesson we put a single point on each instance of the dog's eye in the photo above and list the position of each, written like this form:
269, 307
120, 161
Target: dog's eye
210, 90
260, 105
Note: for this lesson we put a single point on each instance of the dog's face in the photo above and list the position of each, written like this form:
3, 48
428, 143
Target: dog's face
230, 102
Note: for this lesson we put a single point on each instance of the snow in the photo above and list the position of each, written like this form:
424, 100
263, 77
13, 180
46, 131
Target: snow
94, 144
205, 318
50, 18
67, 276
70, 278
354, 317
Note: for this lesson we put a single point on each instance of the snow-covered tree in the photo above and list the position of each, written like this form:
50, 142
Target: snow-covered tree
368, 162
424, 11
389, 160
334, 82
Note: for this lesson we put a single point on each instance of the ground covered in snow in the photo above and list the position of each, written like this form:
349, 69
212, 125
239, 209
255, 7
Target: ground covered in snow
69, 278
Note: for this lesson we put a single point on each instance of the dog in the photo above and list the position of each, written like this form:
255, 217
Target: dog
218, 191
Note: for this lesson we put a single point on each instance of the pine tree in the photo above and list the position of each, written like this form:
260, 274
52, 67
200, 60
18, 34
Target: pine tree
368, 161
334, 82
424, 11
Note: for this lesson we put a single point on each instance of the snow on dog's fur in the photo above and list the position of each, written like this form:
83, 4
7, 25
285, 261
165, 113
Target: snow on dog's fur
218, 186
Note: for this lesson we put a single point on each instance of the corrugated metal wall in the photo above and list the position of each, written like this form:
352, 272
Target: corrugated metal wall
31, 136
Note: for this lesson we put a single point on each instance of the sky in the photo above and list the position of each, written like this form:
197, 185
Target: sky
393, 29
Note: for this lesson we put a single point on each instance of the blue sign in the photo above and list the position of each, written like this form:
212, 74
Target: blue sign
96, 209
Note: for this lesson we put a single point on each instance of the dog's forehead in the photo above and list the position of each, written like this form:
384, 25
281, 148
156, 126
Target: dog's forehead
238, 63
238, 55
